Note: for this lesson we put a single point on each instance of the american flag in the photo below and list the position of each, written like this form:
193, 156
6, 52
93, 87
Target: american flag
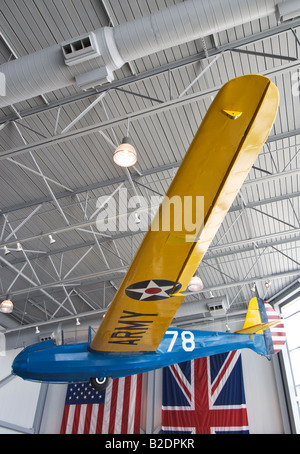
117, 410
278, 333
205, 396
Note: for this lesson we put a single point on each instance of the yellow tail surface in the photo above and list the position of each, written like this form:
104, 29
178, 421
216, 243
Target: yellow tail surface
257, 329
253, 322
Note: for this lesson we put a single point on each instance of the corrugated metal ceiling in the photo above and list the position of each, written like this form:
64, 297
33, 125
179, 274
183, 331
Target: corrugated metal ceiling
259, 238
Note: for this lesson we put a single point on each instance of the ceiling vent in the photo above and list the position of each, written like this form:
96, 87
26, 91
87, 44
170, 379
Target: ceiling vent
288, 10
81, 49
56, 67
94, 78
218, 306
47, 337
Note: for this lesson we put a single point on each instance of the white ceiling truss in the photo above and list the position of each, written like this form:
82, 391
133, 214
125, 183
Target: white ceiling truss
56, 161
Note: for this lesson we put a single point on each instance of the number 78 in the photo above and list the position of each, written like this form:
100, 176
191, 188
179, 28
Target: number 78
187, 339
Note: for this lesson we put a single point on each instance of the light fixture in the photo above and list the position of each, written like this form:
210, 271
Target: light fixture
77, 322
6, 307
137, 218
37, 331
52, 240
253, 287
6, 250
267, 283
125, 155
195, 285
19, 247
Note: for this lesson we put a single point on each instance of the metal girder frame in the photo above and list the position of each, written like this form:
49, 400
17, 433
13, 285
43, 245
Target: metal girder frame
62, 280
19, 164
99, 98
110, 274
89, 314
87, 223
213, 256
214, 253
154, 170
282, 28
80, 116
53, 197
34, 284
101, 276
103, 90
154, 110
219, 287
14, 231
50, 191
92, 220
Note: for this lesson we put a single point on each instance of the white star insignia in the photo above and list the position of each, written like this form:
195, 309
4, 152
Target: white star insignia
153, 289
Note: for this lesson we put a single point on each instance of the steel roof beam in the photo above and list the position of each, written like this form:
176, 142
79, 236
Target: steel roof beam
251, 280
14, 231
152, 171
118, 272
101, 276
275, 240
264, 54
35, 172
282, 28
83, 113
154, 110
219, 287
54, 199
212, 253
34, 285
88, 223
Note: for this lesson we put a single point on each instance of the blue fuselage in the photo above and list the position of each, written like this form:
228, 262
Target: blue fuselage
46, 362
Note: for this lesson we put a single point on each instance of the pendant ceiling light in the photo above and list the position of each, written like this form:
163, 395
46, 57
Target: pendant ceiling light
125, 155
6, 307
52, 240
195, 285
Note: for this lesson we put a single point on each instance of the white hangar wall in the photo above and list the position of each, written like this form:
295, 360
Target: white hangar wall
262, 400
263, 405
18, 399
27, 407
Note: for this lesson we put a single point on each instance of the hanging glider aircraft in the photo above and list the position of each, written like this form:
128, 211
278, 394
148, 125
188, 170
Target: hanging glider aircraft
135, 336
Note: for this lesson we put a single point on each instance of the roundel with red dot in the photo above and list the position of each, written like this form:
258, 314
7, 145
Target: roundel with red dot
153, 290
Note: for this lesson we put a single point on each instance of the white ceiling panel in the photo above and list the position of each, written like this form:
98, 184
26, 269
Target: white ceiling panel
160, 99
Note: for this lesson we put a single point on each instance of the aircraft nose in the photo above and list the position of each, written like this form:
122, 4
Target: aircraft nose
19, 366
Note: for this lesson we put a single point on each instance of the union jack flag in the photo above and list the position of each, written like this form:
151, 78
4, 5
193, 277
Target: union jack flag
205, 396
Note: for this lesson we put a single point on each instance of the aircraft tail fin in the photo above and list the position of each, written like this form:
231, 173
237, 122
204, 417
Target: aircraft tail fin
261, 318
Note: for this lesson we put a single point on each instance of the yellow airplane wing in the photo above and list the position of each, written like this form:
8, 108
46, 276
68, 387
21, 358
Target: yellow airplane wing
222, 153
